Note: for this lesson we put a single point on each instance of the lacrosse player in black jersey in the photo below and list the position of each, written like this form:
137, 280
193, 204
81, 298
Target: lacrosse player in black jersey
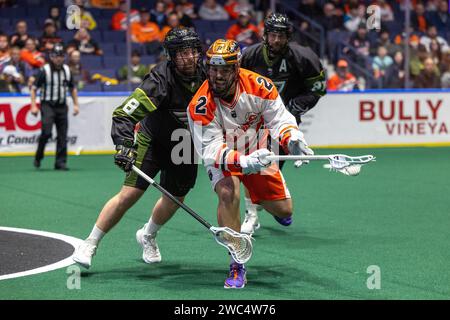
298, 75
159, 105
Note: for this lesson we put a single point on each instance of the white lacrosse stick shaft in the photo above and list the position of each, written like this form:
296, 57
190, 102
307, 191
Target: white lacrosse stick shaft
297, 157
331, 157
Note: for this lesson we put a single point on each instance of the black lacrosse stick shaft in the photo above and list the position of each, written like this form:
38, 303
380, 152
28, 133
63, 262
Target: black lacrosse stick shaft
178, 202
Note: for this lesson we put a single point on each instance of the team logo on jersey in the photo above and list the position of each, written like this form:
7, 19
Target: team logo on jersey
250, 119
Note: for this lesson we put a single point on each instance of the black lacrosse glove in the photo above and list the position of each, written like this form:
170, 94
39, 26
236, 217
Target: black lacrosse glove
125, 156
300, 105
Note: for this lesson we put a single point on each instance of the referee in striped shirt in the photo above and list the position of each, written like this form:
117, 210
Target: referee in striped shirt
54, 79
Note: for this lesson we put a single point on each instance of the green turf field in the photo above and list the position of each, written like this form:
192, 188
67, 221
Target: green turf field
395, 215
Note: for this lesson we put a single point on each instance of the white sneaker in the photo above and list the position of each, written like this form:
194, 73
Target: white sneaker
148, 243
84, 253
251, 222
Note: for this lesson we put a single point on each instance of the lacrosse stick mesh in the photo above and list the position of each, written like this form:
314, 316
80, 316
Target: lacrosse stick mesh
351, 170
239, 245
350, 166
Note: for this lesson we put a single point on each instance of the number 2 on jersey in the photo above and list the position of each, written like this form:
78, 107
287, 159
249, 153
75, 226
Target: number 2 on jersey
200, 108
267, 84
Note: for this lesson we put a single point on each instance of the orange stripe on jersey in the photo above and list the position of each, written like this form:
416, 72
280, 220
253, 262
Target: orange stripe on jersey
285, 135
255, 84
202, 106
233, 162
282, 132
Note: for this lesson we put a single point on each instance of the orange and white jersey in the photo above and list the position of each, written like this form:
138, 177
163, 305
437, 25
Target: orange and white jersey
223, 131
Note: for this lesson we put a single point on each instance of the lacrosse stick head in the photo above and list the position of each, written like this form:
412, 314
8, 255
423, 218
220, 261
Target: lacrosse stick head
350, 166
238, 244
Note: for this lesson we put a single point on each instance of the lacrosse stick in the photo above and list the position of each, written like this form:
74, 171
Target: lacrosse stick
350, 166
238, 244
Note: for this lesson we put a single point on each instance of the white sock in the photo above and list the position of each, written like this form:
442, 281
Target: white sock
96, 235
250, 206
152, 228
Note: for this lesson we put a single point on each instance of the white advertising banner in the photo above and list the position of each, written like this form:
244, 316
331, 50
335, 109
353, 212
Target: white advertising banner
339, 120
387, 118
89, 131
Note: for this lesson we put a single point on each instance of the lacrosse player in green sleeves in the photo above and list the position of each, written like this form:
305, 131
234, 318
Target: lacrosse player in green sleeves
159, 105
298, 75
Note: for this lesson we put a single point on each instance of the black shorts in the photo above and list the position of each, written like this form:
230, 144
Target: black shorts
178, 179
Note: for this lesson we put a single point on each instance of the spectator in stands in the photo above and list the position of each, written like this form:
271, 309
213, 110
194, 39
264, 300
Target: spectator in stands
433, 34
330, 20
83, 42
119, 19
360, 41
234, 7
21, 35
158, 14
29, 54
185, 20
445, 70
49, 38
428, 77
243, 31
431, 5
441, 17
76, 2
105, 4
386, 12
381, 62
359, 46
187, 8
23, 68
342, 80
444, 61
87, 20
339, 7
79, 74
385, 41
395, 74
55, 15
419, 19
399, 39
4, 51
169, 5
211, 10
146, 33
417, 60
435, 51
138, 70
10, 80
172, 22
355, 16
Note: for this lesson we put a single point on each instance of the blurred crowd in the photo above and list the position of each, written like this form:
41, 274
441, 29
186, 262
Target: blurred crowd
360, 48
358, 53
